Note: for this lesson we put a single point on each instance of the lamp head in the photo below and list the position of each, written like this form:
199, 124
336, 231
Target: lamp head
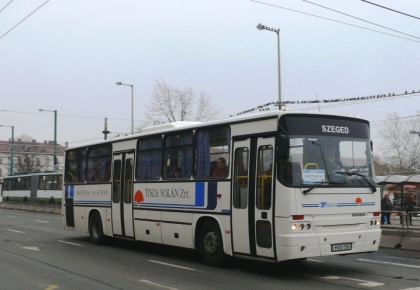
260, 27
40, 110
118, 83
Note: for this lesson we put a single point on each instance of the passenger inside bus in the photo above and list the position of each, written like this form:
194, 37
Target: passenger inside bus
221, 170
177, 173
213, 166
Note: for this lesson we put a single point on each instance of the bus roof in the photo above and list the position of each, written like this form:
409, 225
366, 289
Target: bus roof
168, 127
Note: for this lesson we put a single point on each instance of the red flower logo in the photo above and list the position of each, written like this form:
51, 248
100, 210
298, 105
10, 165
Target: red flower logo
138, 197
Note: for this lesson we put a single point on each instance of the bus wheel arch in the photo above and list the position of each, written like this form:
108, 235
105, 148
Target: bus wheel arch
209, 241
96, 228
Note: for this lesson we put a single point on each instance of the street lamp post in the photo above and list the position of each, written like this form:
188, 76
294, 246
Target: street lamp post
277, 31
55, 135
11, 148
132, 104
414, 158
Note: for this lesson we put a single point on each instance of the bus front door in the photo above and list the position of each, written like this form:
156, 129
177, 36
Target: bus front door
122, 194
252, 197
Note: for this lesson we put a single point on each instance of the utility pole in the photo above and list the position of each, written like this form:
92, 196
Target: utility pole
105, 131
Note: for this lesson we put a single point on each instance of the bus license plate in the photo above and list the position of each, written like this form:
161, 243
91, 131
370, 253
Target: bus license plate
341, 247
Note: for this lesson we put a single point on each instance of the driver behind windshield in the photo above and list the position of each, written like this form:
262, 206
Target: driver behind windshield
332, 162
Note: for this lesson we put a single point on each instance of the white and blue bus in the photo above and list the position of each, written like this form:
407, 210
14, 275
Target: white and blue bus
43, 187
293, 186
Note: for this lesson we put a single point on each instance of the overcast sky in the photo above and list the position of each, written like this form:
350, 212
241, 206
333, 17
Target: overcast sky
68, 55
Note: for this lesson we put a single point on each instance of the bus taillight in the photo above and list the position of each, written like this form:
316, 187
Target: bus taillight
376, 213
297, 217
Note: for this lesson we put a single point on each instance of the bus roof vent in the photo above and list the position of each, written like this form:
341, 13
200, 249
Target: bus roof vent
173, 125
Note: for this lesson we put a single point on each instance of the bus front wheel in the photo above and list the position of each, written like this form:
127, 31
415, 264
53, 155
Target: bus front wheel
95, 229
211, 244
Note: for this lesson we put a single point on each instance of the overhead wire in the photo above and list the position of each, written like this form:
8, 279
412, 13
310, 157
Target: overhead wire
390, 9
6, 6
24, 18
329, 19
339, 104
360, 19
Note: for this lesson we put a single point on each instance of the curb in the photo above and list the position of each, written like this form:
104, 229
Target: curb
32, 207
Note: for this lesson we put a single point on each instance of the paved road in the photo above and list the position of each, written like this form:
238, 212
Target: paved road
37, 253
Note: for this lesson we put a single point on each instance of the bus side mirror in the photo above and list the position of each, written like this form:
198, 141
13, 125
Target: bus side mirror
283, 147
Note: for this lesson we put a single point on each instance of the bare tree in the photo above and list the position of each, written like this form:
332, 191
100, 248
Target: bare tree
171, 104
28, 155
400, 148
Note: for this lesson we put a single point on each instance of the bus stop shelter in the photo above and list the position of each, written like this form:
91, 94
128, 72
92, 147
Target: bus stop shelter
398, 180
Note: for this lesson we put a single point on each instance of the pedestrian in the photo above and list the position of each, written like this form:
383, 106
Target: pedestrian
386, 208
409, 204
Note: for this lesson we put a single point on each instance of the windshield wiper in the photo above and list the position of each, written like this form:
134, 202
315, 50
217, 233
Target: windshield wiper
320, 183
372, 187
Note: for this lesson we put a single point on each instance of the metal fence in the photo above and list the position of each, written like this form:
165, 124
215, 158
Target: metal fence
406, 219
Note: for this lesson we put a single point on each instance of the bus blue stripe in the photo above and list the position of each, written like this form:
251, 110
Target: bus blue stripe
199, 194
212, 195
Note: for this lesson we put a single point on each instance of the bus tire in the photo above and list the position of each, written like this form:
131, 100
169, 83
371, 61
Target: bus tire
211, 244
95, 229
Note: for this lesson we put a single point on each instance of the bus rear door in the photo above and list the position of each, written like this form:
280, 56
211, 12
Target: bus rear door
122, 194
252, 197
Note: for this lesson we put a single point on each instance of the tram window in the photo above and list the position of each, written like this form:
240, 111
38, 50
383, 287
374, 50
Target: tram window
50, 182
149, 158
23, 183
210, 144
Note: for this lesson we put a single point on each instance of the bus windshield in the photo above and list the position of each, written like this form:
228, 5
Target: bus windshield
327, 152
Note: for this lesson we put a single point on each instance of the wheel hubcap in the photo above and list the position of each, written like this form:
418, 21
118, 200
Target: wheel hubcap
211, 243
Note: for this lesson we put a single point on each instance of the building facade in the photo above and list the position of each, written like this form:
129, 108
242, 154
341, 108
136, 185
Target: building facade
30, 156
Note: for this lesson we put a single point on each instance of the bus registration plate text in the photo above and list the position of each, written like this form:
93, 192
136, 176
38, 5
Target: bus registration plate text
341, 247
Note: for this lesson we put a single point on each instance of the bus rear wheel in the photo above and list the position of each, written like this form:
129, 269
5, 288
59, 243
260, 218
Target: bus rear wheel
211, 244
95, 229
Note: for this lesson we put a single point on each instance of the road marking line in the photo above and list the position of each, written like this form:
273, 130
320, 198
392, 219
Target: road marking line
364, 282
41, 221
49, 287
172, 265
416, 288
389, 263
26, 247
15, 231
158, 285
312, 260
74, 244
10, 216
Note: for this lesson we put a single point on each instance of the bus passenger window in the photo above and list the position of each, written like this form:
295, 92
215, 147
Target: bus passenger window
210, 145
